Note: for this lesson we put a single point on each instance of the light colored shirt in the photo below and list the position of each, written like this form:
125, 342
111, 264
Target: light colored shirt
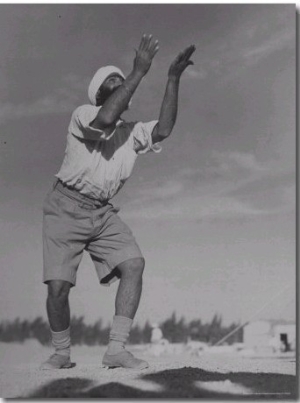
98, 162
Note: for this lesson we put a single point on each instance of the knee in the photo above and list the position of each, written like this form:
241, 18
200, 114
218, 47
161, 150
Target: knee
133, 268
58, 290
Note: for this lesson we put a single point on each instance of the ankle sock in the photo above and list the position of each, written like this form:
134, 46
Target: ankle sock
61, 341
119, 334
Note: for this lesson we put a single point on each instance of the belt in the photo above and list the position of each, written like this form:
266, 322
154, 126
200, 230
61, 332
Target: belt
86, 201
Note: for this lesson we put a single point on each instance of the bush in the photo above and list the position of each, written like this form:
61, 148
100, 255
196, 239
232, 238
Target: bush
176, 331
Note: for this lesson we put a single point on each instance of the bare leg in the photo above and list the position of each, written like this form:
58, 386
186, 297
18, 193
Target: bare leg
58, 308
127, 302
59, 319
130, 287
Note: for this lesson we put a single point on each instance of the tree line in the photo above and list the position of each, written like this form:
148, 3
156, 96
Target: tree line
174, 330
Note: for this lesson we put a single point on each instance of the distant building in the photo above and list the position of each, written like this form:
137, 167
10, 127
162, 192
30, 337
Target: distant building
156, 333
273, 335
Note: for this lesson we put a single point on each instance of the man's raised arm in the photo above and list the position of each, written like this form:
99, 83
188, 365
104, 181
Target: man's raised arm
168, 111
115, 105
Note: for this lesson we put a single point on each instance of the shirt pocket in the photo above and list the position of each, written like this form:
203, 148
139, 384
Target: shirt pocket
128, 162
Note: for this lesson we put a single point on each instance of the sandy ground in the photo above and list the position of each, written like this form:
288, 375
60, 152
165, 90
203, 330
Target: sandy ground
181, 375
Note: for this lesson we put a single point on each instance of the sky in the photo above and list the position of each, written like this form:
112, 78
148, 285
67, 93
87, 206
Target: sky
214, 212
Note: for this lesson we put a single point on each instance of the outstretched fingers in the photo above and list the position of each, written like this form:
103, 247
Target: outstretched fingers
187, 53
180, 56
148, 41
148, 44
154, 47
141, 43
145, 42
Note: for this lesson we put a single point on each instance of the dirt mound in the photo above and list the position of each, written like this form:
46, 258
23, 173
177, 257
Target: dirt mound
225, 376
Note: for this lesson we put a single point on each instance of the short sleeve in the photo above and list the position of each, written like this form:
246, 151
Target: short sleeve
143, 139
80, 125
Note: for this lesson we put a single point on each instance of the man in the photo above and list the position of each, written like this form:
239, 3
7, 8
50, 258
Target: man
99, 158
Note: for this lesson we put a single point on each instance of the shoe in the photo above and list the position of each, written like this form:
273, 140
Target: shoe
123, 359
57, 361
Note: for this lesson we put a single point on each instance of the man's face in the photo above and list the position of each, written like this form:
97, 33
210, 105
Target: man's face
110, 85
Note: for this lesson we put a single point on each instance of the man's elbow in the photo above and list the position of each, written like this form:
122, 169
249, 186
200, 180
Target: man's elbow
107, 120
163, 134
103, 122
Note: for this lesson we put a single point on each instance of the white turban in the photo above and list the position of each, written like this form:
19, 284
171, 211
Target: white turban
99, 78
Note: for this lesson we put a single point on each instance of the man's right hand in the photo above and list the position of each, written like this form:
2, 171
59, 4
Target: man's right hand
117, 102
145, 54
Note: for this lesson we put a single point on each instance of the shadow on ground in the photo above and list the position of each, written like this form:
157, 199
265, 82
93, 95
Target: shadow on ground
185, 382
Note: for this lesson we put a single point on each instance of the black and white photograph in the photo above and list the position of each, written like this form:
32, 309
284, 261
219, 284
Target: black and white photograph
148, 201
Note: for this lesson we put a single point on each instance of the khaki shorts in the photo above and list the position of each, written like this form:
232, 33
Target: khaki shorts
73, 223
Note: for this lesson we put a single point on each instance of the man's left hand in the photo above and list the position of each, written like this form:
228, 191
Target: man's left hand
181, 62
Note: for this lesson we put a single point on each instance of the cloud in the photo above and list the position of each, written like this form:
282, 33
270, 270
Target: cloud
52, 104
167, 189
225, 172
257, 40
236, 161
248, 42
289, 194
286, 200
63, 99
195, 73
229, 184
192, 207
254, 53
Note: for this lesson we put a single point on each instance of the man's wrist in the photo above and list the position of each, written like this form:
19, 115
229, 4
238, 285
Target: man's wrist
174, 79
138, 73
